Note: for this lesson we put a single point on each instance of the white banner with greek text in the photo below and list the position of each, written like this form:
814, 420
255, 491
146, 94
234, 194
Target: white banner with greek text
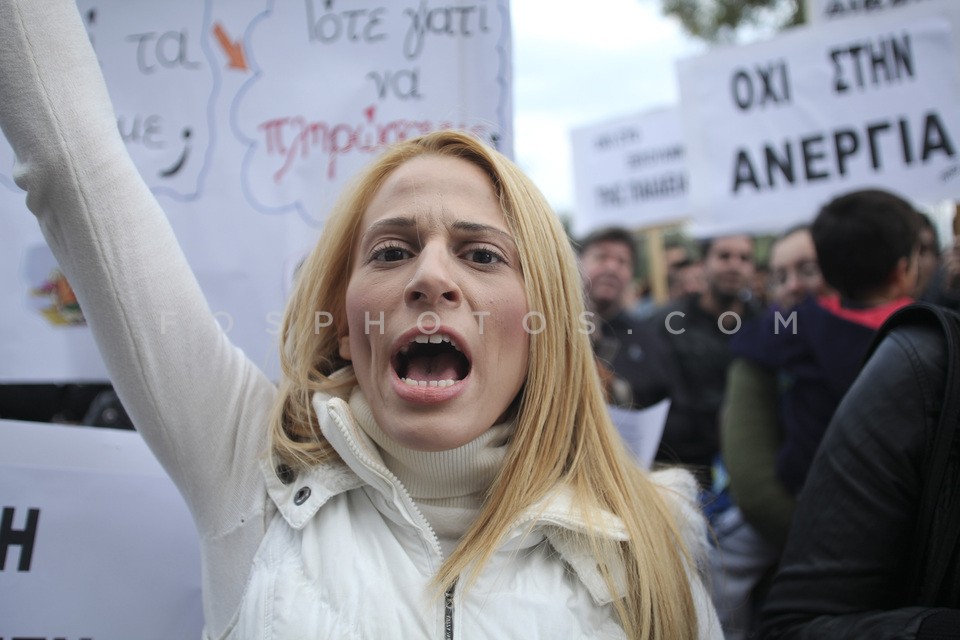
246, 118
775, 129
818, 11
95, 541
630, 172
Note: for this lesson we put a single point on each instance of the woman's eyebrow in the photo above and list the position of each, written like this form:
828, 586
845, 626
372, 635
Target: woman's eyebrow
462, 226
399, 222
476, 227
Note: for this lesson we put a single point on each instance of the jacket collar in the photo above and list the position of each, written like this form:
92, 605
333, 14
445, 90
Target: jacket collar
564, 525
553, 517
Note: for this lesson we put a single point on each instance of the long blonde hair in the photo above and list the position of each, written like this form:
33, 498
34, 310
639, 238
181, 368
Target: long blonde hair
563, 432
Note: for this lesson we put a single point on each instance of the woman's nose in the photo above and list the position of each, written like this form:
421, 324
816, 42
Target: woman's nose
433, 282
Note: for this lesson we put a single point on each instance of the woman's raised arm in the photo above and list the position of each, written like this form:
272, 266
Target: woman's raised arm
199, 403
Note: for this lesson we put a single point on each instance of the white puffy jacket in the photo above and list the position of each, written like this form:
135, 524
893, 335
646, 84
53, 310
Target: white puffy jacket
350, 556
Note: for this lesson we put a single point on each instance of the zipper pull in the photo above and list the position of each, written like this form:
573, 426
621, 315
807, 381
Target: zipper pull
448, 613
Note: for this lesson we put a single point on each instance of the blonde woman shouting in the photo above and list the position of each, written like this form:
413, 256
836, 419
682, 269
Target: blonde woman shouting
446, 474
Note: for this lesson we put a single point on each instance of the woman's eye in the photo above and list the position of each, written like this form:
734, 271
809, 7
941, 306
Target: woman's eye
390, 254
483, 256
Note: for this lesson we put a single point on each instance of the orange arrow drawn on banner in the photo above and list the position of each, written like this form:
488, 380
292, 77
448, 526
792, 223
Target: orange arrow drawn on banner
233, 49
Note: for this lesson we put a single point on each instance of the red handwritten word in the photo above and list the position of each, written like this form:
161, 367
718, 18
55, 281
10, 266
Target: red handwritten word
295, 137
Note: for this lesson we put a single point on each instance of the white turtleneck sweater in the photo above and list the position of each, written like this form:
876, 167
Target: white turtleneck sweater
448, 487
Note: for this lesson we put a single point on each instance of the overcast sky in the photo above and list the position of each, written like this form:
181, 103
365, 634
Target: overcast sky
579, 63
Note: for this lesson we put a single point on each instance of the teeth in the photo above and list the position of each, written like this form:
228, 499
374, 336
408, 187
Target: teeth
434, 338
428, 383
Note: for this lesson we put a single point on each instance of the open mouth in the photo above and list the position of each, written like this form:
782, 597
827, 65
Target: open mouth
431, 361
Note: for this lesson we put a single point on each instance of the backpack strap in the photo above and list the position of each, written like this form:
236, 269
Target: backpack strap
938, 521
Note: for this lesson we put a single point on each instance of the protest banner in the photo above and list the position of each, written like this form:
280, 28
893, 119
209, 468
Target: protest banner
776, 128
818, 11
95, 541
630, 171
246, 118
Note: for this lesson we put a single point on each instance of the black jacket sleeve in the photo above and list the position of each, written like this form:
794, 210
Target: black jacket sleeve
845, 564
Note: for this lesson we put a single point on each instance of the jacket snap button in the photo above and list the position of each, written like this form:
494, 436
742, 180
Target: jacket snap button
301, 495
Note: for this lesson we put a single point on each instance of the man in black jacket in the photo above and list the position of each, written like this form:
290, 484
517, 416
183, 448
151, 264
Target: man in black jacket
688, 354
859, 562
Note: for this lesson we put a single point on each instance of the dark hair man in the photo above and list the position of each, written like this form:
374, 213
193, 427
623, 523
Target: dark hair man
688, 354
867, 244
607, 259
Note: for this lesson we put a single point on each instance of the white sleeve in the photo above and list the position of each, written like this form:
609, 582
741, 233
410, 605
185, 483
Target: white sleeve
198, 401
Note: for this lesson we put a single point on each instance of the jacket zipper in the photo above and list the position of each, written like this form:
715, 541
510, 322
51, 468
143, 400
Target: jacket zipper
388, 475
431, 534
448, 613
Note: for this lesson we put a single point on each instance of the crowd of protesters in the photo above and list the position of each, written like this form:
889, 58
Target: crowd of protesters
764, 367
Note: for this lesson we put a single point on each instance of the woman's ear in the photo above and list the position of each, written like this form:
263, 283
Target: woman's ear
345, 347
